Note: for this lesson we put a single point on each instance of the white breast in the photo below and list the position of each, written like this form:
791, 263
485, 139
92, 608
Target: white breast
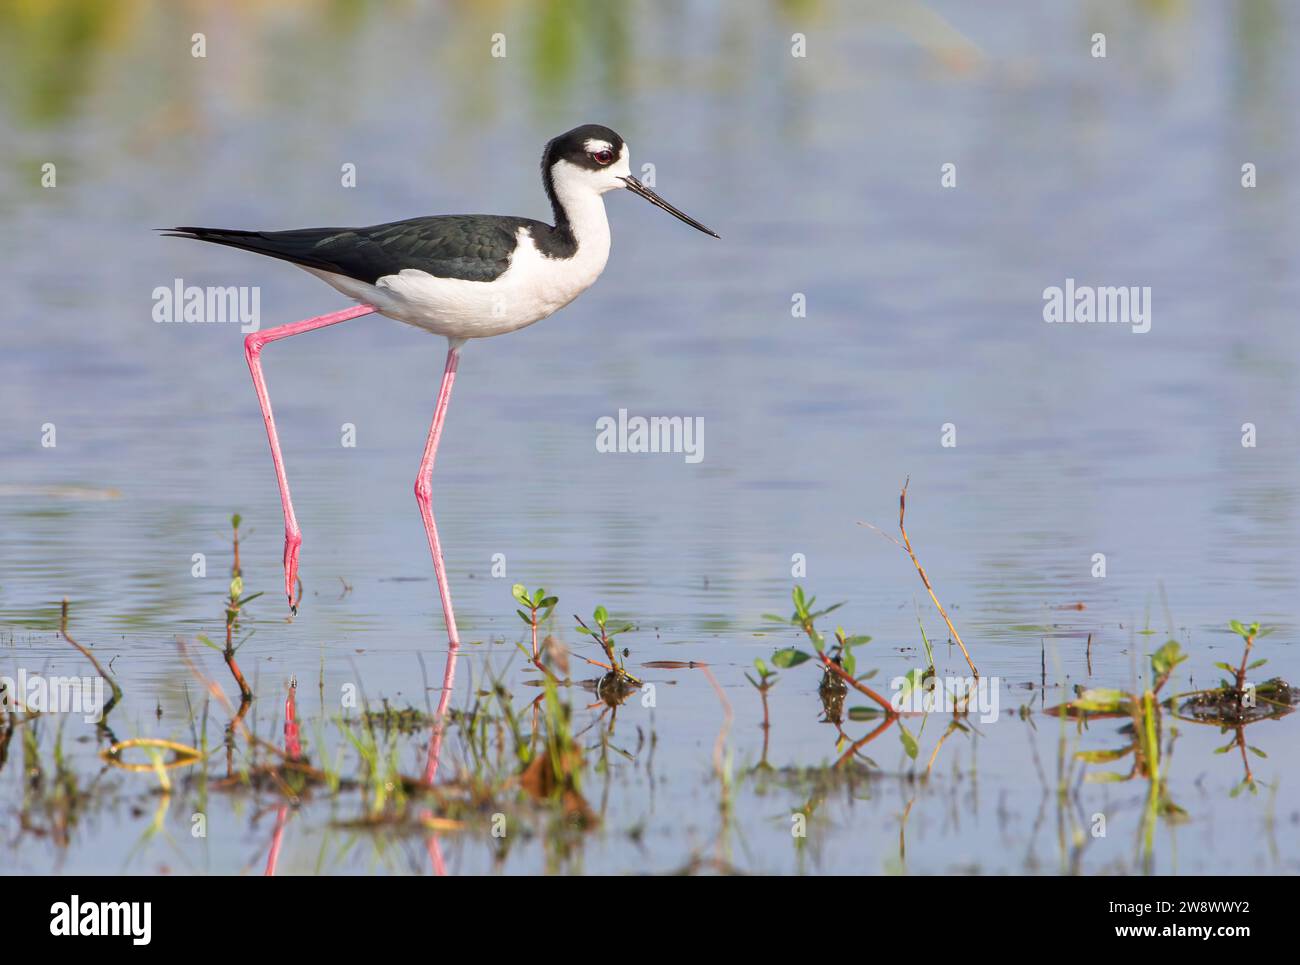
532, 288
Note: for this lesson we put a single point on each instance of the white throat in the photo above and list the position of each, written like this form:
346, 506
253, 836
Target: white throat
583, 206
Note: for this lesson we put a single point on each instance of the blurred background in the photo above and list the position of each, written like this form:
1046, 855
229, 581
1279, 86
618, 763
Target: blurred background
821, 173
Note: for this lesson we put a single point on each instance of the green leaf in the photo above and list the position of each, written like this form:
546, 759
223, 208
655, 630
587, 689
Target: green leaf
520, 593
1257, 663
856, 641
785, 659
776, 619
1102, 757
235, 520
909, 742
1101, 699
250, 598
929, 651
548, 603
528, 621
1103, 777
236, 587
911, 680
822, 613
1225, 666
1238, 628
1167, 658
600, 615
864, 713
848, 662
202, 638
1256, 751
761, 666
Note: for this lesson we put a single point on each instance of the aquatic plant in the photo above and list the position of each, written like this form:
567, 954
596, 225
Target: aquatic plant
235, 602
838, 661
102, 726
537, 602
605, 635
555, 774
767, 678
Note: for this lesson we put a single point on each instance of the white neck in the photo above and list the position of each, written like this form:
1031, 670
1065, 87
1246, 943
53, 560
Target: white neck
583, 207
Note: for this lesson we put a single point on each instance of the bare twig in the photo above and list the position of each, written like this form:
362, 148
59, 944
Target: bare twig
63, 632
727, 717
906, 545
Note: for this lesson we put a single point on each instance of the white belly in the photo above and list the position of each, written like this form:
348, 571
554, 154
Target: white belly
532, 288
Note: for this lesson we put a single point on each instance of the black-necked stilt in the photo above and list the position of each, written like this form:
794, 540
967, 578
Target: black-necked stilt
461, 276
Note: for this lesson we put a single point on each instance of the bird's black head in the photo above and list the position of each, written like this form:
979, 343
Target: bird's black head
590, 160
591, 146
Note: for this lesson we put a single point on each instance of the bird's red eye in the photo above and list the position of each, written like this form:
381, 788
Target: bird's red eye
603, 157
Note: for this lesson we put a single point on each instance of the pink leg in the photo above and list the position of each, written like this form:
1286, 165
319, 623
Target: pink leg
424, 496
253, 352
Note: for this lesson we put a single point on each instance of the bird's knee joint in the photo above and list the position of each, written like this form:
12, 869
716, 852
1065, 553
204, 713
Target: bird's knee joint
423, 490
253, 345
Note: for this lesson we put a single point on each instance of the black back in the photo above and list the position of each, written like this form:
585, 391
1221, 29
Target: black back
473, 247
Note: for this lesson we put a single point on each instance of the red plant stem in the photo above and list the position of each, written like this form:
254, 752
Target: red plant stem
1241, 672
245, 692
1241, 743
880, 728
543, 668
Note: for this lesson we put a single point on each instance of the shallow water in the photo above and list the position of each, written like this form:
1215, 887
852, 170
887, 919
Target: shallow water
924, 307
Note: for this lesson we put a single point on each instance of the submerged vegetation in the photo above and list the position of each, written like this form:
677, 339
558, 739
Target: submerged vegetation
544, 767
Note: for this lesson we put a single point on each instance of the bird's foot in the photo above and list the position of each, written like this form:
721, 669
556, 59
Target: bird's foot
292, 586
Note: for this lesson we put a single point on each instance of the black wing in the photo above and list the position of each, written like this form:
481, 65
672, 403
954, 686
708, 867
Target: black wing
471, 247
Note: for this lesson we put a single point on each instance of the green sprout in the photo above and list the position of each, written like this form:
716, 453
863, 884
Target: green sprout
537, 602
604, 634
839, 662
1248, 634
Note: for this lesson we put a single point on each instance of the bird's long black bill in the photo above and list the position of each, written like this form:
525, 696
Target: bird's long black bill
636, 187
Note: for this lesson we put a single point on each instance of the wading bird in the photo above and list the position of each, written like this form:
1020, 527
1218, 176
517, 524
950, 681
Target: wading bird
460, 276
